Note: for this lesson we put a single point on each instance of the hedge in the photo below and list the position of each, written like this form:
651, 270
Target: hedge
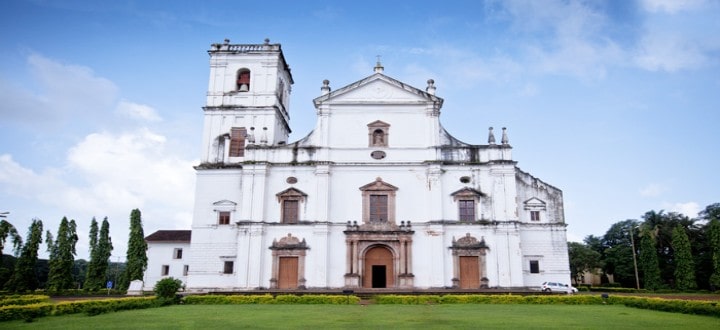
23, 300
488, 299
698, 307
269, 299
90, 307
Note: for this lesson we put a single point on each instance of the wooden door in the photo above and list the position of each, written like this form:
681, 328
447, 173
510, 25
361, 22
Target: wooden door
469, 273
288, 273
378, 256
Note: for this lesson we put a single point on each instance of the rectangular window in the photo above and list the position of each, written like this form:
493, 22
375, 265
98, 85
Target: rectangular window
165, 270
224, 218
185, 270
228, 267
177, 254
467, 210
534, 267
535, 215
378, 208
290, 211
237, 141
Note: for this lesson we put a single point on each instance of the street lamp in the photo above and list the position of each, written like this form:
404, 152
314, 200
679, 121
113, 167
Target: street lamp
632, 241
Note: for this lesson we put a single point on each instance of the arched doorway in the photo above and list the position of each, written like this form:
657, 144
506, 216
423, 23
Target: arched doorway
378, 271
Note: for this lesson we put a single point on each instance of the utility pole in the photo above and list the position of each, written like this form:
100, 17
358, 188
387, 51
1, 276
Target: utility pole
632, 241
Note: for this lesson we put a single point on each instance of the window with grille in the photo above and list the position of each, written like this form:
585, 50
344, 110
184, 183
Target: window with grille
228, 267
237, 141
378, 208
467, 210
534, 267
290, 211
534, 215
224, 218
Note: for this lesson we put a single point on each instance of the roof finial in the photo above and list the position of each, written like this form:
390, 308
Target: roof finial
378, 67
325, 89
430, 89
505, 139
491, 136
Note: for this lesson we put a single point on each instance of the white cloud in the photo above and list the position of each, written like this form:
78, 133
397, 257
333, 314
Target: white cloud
138, 111
671, 6
690, 209
58, 92
108, 175
653, 190
667, 52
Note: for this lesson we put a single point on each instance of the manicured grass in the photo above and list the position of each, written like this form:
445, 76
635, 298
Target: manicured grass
376, 317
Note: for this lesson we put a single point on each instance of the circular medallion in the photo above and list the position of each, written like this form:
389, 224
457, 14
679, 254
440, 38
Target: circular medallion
377, 154
291, 180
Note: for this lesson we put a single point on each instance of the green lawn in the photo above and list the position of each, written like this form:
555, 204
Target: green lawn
469, 316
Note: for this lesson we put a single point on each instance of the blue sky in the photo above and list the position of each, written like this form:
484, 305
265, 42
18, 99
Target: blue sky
617, 103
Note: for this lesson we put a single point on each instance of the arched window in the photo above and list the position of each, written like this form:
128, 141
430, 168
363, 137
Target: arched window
243, 80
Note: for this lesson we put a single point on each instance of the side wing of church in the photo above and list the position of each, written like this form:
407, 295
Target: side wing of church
378, 195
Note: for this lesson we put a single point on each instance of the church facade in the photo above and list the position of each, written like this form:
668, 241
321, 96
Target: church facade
378, 195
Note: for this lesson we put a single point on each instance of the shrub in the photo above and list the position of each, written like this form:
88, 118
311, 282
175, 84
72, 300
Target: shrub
166, 290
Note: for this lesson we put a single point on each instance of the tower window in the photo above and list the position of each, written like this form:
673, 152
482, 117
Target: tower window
534, 215
237, 141
243, 80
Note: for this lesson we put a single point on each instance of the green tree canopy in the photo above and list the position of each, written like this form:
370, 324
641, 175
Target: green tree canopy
136, 261
582, 259
684, 266
62, 256
99, 259
24, 277
649, 260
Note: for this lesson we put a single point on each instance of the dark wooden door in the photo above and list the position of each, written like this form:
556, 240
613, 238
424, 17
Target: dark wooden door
469, 273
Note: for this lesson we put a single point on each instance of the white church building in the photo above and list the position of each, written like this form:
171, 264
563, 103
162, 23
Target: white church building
378, 195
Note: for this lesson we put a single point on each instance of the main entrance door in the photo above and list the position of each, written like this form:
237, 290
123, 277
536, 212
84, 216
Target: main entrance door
469, 273
288, 273
378, 271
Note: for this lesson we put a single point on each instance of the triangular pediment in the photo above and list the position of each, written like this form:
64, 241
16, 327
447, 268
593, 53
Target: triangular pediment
534, 203
377, 88
378, 185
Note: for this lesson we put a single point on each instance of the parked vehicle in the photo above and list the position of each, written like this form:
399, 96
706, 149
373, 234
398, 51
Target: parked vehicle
557, 287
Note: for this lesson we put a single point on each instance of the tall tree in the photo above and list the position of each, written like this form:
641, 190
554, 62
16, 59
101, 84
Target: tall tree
617, 251
93, 235
7, 230
714, 236
62, 256
136, 261
582, 259
649, 260
24, 277
684, 266
99, 259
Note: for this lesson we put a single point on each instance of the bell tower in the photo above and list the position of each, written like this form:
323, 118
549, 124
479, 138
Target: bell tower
248, 100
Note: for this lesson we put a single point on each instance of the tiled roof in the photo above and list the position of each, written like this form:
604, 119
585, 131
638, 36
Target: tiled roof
169, 236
